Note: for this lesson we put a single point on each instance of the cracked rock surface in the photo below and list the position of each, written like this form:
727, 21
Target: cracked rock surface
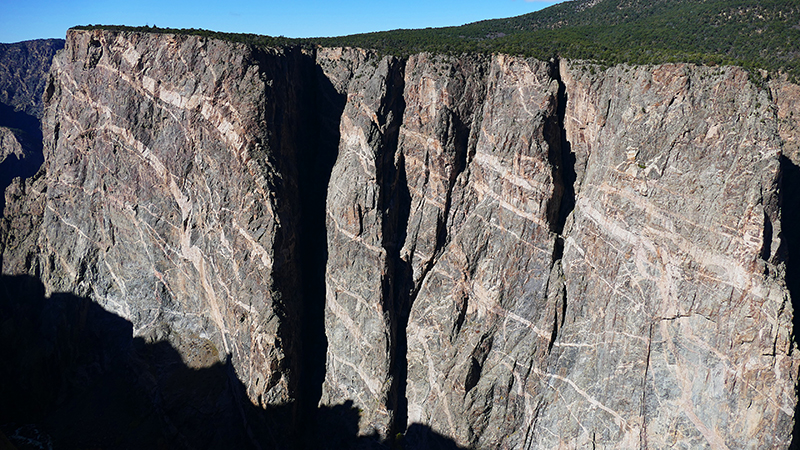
511, 253
165, 201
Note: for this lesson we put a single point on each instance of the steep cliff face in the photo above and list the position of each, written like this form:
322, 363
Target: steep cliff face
486, 299
171, 196
508, 252
360, 215
658, 316
677, 324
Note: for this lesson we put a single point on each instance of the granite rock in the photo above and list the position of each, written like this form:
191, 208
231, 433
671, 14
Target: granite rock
166, 201
507, 252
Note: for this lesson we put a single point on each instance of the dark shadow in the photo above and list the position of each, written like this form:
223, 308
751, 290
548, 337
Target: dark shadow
20, 120
72, 376
790, 230
302, 113
316, 158
562, 160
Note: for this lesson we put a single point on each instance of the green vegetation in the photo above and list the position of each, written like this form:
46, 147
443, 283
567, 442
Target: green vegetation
754, 34
251, 39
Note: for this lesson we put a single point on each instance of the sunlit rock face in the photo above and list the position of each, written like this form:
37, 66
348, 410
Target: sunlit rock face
500, 251
663, 318
171, 197
677, 323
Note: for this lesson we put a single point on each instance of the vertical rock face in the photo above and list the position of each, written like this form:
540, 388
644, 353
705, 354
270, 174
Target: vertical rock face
170, 199
505, 252
677, 320
665, 321
484, 305
361, 210
444, 97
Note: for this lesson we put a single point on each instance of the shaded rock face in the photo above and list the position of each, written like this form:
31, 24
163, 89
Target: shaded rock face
500, 251
74, 377
23, 74
20, 158
24, 68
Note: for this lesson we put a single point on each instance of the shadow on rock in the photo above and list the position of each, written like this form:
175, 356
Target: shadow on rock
790, 218
73, 376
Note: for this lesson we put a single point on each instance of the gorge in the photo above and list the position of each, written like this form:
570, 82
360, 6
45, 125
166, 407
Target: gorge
482, 251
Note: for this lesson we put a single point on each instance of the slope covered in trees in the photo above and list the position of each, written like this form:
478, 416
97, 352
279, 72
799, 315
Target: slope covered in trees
761, 34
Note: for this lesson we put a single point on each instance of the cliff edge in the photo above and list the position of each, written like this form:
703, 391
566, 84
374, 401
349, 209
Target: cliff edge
506, 252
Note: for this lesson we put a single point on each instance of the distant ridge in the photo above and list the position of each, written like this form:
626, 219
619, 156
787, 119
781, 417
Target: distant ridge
752, 34
23, 72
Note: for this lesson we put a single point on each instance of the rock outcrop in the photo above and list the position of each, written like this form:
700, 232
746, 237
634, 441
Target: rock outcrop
361, 229
171, 197
507, 252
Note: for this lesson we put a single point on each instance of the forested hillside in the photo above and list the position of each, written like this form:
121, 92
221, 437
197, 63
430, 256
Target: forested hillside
753, 34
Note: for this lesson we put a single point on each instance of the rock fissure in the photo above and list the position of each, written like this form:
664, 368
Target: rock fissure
318, 154
562, 160
643, 433
562, 163
789, 200
394, 203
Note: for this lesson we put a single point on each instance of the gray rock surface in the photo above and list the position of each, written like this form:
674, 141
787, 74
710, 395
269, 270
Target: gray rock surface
517, 254
677, 327
361, 230
165, 197
487, 304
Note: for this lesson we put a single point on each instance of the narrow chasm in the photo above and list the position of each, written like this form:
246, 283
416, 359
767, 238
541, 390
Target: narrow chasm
790, 218
562, 161
316, 158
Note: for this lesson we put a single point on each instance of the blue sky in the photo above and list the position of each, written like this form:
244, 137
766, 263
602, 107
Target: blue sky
32, 19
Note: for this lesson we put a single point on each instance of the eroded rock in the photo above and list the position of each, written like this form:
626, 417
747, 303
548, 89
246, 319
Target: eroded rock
514, 253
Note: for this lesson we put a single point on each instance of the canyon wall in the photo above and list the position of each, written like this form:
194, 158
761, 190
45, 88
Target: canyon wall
506, 252
170, 201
